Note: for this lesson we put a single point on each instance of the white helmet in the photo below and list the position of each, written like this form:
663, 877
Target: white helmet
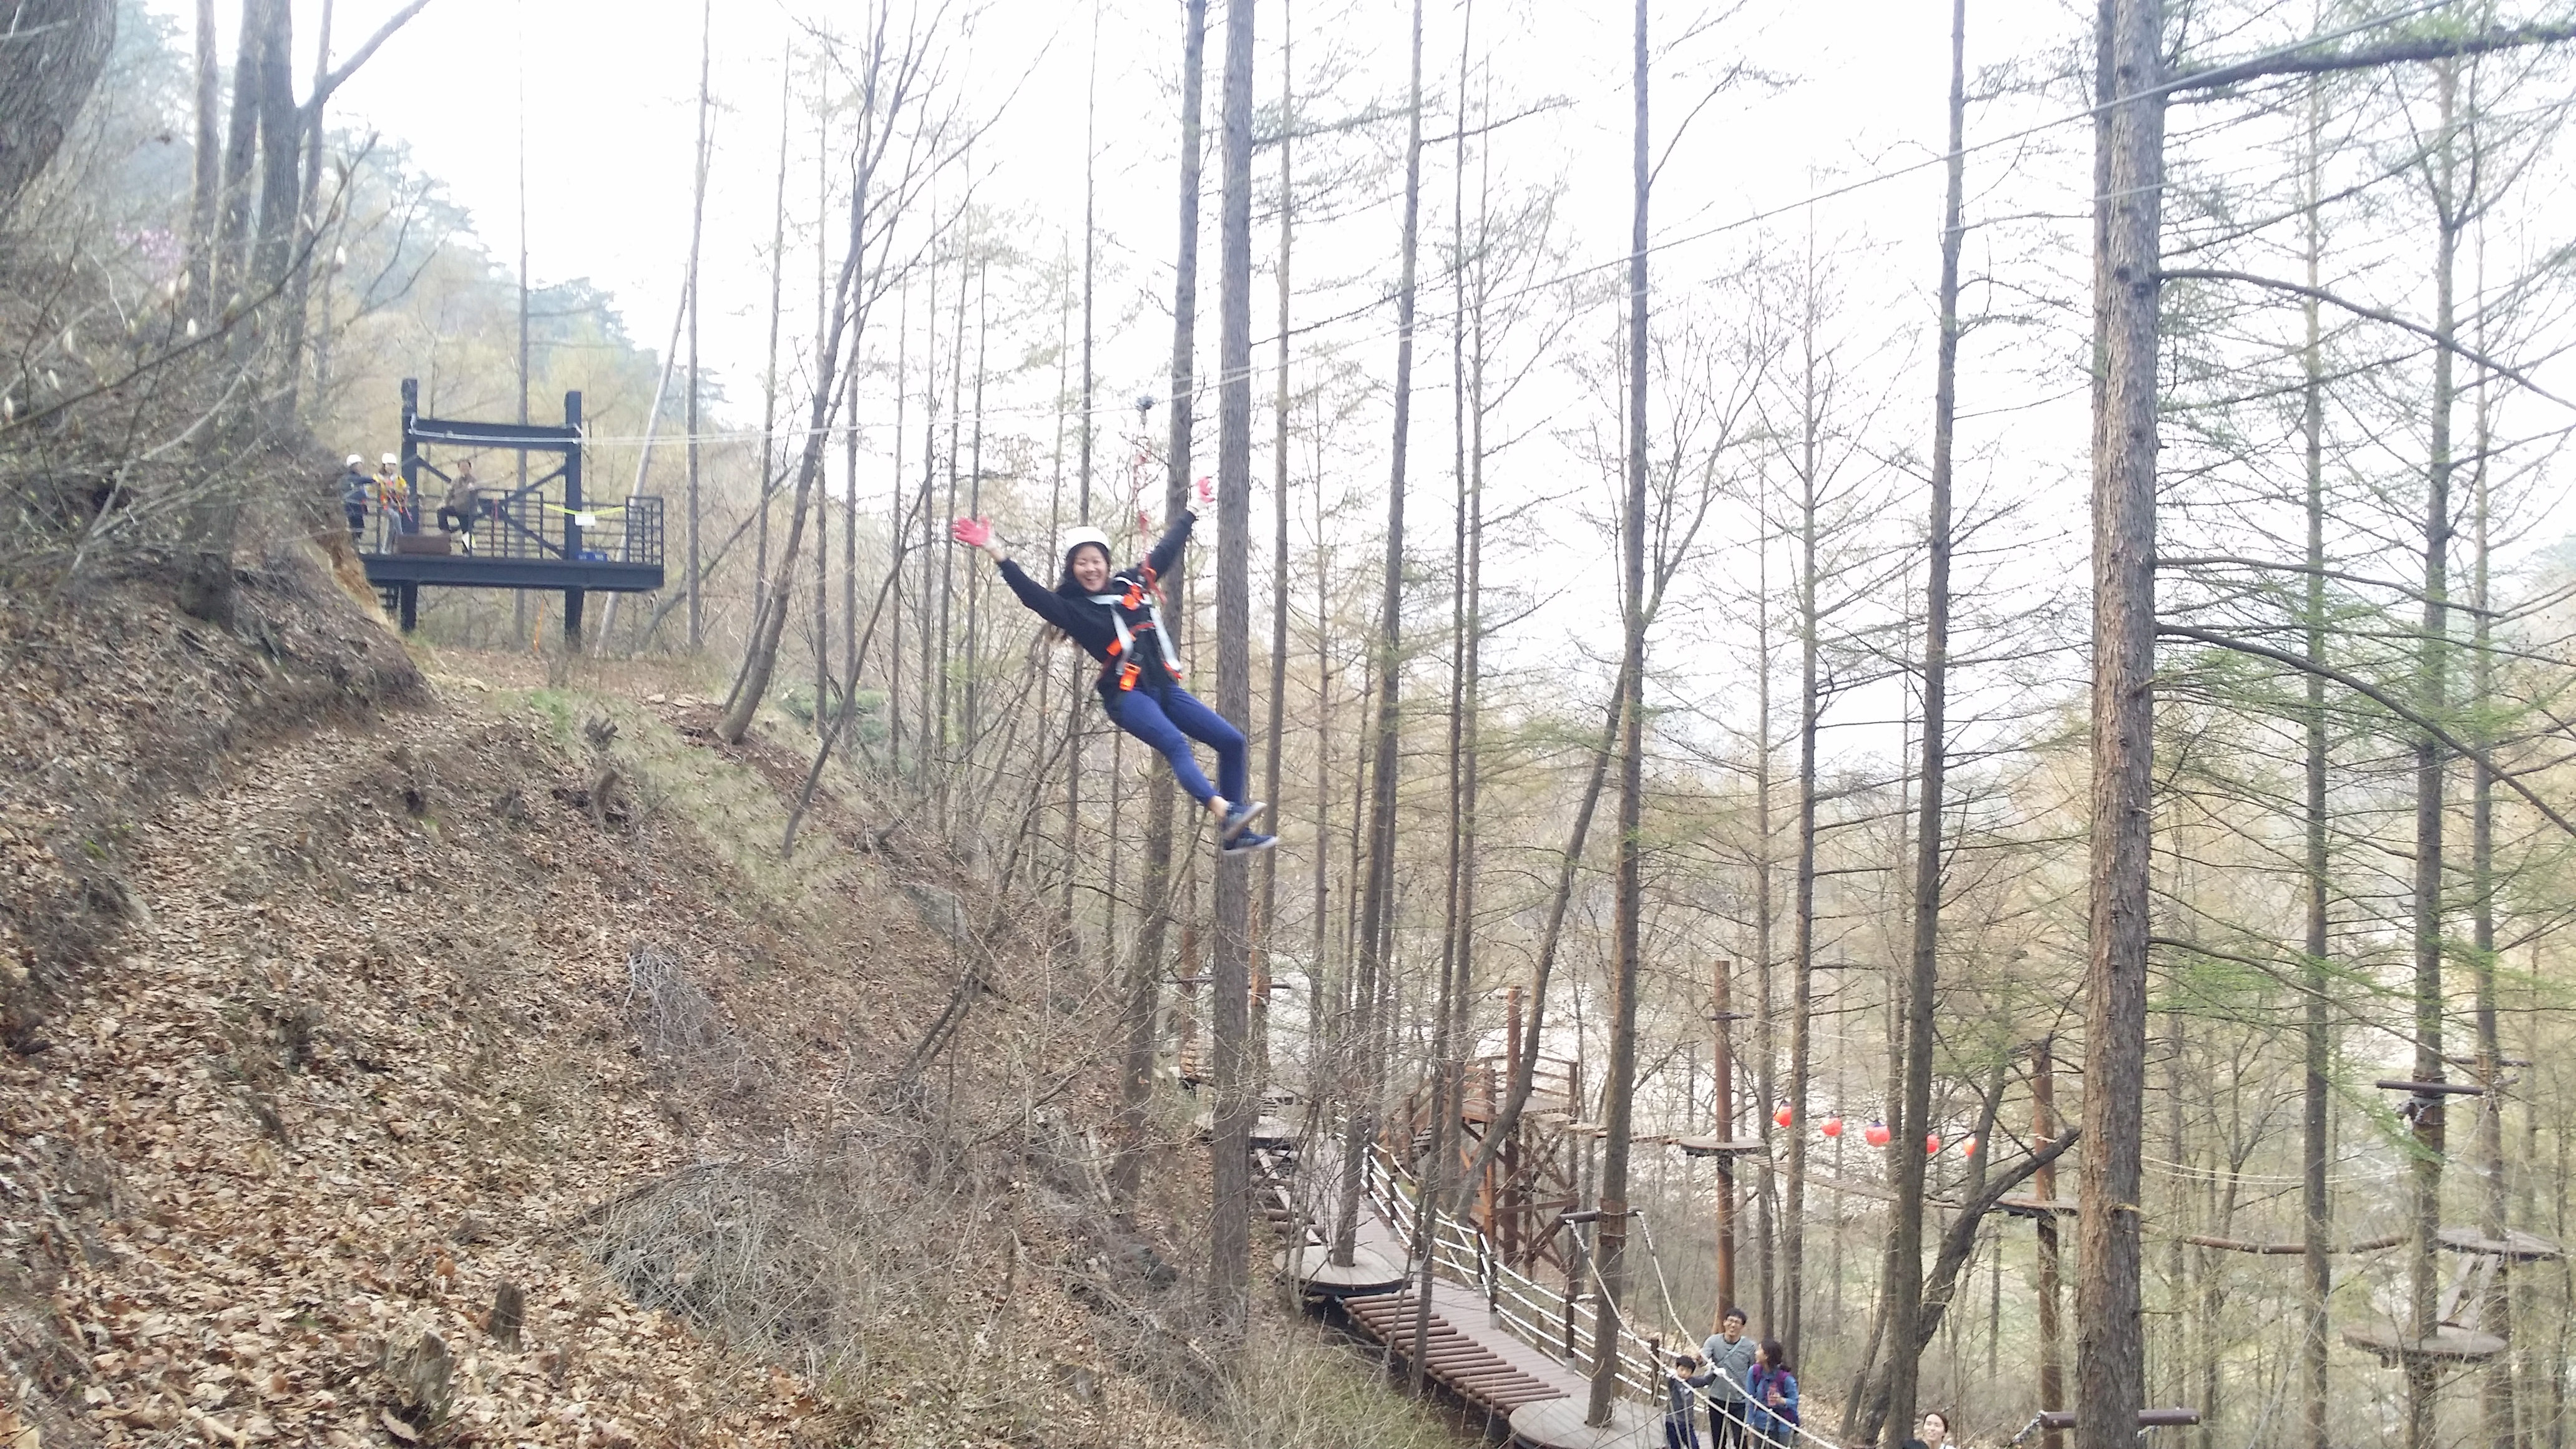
356, 462
1079, 535
390, 460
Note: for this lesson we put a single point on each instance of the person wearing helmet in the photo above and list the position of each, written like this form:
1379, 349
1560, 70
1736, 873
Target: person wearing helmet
1117, 618
393, 496
354, 486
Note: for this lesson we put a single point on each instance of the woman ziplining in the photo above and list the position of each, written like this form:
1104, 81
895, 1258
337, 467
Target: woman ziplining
1110, 615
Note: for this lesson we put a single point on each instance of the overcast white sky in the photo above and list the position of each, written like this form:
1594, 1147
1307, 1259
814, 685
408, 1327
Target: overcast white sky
610, 117
1844, 102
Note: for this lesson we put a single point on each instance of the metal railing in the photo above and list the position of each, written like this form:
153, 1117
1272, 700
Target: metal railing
530, 526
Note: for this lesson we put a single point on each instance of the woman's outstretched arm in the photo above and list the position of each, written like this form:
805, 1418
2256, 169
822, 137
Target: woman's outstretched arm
978, 534
1168, 551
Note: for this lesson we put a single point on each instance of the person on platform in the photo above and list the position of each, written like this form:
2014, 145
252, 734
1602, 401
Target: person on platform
1729, 1352
393, 495
1117, 618
463, 504
1772, 1413
1683, 1383
354, 488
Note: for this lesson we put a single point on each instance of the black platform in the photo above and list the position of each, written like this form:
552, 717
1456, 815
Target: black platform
531, 530
470, 571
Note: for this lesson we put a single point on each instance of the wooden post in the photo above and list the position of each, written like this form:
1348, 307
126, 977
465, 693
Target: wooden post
1489, 1098
572, 521
2043, 1126
1507, 1209
1722, 1066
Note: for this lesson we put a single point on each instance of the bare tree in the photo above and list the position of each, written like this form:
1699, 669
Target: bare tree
1620, 1074
1904, 1280
901, 141
1230, 1143
2110, 1363
1146, 966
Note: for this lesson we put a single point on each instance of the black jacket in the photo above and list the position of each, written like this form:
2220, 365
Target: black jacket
1094, 626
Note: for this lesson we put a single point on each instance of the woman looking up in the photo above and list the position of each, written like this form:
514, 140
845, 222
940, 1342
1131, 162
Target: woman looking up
1118, 619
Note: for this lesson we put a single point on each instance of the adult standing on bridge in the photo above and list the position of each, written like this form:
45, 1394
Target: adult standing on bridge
1729, 1352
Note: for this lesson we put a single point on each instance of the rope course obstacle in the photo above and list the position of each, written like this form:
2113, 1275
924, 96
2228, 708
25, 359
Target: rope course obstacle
540, 536
2457, 1334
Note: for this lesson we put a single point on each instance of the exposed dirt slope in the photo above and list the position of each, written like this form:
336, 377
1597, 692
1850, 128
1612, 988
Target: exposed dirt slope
338, 1014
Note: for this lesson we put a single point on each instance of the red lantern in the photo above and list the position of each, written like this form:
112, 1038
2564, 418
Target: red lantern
1782, 1116
1875, 1134
1932, 1144
1833, 1127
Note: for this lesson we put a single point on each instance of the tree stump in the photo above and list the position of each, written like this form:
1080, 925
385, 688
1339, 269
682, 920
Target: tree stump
509, 1309
419, 1373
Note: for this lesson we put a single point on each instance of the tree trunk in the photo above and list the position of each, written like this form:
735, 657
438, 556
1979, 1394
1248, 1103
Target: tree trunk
1802, 900
280, 132
1447, 1072
241, 158
51, 55
2496, 1392
1082, 503
303, 235
2109, 1353
206, 200
1230, 1144
2432, 681
2316, 1030
1619, 1085
1265, 938
697, 236
1145, 969
769, 375
1904, 1291
1377, 892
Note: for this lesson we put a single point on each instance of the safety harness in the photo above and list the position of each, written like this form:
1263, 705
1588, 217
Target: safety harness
1140, 594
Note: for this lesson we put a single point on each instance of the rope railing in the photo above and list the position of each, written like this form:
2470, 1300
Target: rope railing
1461, 1252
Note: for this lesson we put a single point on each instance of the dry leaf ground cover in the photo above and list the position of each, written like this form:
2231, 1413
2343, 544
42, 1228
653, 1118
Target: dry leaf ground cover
365, 1085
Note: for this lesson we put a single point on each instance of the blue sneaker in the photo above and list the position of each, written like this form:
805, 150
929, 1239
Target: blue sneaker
1249, 843
1239, 819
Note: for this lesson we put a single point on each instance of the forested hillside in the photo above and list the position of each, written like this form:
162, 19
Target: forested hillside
1906, 671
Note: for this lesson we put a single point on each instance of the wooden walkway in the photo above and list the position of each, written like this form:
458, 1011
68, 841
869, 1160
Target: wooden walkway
1486, 1325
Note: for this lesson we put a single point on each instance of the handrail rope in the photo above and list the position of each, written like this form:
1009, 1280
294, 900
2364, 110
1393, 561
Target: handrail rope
1656, 1257
1592, 1265
1400, 1213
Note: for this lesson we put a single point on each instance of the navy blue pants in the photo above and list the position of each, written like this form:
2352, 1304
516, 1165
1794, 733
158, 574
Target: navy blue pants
1168, 723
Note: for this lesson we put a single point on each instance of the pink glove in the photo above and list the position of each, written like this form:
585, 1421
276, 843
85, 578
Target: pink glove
972, 532
1207, 490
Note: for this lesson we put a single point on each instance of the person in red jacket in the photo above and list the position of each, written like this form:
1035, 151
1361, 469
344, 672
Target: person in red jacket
1117, 618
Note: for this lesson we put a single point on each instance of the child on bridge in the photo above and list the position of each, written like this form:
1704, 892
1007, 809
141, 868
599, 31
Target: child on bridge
1117, 618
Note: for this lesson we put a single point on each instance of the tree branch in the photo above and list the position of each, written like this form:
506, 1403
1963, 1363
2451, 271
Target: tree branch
2164, 561
364, 53
2375, 695
2319, 294
2395, 52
